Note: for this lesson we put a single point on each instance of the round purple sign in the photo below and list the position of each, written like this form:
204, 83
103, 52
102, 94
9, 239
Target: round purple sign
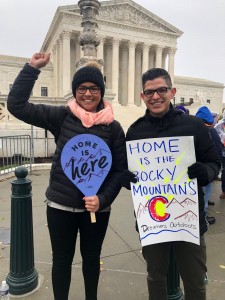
86, 160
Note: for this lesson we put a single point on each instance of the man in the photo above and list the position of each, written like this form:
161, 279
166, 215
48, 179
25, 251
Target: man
220, 128
162, 120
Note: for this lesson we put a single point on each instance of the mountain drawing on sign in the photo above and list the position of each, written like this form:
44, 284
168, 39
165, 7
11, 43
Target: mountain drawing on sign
188, 216
69, 163
99, 153
172, 208
142, 210
183, 208
173, 202
188, 201
92, 175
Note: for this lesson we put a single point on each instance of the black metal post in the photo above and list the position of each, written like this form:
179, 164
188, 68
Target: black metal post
22, 278
174, 291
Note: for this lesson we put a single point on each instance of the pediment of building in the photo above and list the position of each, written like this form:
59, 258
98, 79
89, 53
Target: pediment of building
130, 13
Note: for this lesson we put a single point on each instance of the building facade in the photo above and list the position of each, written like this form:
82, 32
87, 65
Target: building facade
132, 40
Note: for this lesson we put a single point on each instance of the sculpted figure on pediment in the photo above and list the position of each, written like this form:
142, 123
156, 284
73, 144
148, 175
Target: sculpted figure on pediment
130, 15
143, 21
119, 13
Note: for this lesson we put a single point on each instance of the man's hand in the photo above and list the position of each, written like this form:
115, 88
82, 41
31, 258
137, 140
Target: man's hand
126, 178
39, 60
198, 170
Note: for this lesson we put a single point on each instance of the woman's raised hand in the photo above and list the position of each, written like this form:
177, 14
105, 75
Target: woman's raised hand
39, 60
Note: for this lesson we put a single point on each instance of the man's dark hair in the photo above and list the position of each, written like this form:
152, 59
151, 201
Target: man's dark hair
155, 73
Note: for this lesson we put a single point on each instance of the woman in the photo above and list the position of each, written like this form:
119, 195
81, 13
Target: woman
68, 211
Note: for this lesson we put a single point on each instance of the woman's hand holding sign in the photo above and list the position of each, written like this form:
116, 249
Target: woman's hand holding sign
92, 203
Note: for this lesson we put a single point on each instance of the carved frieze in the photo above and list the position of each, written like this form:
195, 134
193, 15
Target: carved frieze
130, 15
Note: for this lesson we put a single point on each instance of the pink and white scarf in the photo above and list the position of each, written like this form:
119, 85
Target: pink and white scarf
88, 119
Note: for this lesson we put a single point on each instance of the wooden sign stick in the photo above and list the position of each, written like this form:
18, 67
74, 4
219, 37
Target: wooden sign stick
93, 217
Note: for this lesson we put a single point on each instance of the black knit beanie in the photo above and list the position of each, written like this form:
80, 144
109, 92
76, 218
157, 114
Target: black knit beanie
88, 74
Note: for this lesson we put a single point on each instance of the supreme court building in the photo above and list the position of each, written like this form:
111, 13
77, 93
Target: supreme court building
132, 40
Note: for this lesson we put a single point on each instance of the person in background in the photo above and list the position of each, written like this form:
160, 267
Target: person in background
161, 120
220, 128
206, 116
68, 210
215, 118
183, 109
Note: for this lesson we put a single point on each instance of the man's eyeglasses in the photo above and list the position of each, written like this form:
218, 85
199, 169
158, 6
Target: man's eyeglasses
160, 91
83, 89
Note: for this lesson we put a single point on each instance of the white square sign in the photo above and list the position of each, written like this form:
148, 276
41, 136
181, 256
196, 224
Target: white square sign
165, 199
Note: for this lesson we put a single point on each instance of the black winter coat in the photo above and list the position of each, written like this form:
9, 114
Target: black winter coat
176, 123
64, 125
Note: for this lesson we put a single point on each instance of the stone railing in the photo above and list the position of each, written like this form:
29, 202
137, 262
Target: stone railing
43, 141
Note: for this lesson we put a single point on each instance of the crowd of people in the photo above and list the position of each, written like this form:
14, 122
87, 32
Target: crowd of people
68, 210
216, 127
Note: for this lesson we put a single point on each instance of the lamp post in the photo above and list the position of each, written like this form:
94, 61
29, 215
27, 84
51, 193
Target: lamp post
174, 291
88, 38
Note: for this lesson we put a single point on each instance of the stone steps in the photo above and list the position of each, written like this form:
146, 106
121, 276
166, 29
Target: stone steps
126, 115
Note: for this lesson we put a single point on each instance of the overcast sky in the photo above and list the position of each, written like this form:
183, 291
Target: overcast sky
201, 48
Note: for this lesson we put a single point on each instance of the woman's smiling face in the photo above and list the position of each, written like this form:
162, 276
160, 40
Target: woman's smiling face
88, 96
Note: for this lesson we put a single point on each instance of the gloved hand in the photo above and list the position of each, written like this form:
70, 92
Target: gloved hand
126, 178
198, 170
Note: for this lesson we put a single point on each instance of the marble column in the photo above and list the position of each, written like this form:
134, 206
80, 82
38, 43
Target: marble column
172, 52
60, 70
131, 72
151, 58
164, 56
66, 62
146, 64
55, 70
115, 69
138, 75
108, 64
158, 62
100, 50
77, 49
145, 58
72, 58
123, 82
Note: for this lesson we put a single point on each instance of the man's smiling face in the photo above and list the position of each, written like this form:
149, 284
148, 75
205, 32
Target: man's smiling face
158, 103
